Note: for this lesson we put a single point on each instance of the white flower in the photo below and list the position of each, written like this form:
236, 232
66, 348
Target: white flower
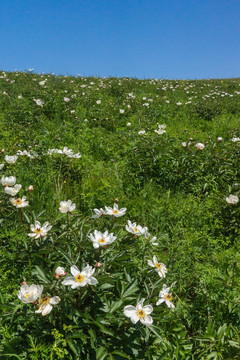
8, 181
60, 271
232, 199
67, 206
165, 296
19, 203
66, 151
133, 228
52, 151
38, 230
11, 159
179, 103
160, 130
38, 102
139, 312
98, 213
12, 190
115, 211
235, 139
1, 166
98, 102
80, 279
153, 241
42, 83
45, 305
160, 268
122, 111
200, 146
220, 139
66, 99
29, 294
184, 144
101, 239
129, 124
141, 132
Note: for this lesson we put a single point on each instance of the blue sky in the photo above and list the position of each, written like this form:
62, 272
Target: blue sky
145, 39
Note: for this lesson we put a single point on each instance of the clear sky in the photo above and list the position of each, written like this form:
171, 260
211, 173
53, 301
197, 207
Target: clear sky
168, 39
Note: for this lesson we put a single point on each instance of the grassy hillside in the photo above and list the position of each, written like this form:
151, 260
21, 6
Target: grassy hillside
168, 184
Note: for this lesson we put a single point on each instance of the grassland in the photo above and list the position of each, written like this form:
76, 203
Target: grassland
166, 183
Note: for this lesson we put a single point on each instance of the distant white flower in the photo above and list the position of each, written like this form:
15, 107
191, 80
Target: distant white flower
129, 124
122, 111
101, 239
29, 294
200, 146
59, 272
45, 305
220, 139
160, 268
30, 188
179, 103
160, 130
67, 206
38, 230
42, 83
1, 166
235, 139
139, 312
98, 213
38, 102
11, 159
12, 190
19, 203
115, 211
52, 151
184, 144
8, 181
232, 199
20, 97
133, 228
153, 241
66, 99
80, 278
141, 132
165, 296
98, 102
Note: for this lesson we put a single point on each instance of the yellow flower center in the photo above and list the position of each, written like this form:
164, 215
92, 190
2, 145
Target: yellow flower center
28, 294
18, 201
38, 230
135, 229
44, 301
79, 278
168, 297
115, 211
158, 266
141, 313
102, 241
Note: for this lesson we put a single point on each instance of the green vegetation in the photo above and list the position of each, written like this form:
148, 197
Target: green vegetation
166, 183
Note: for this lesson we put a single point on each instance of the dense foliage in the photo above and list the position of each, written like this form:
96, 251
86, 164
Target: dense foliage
174, 189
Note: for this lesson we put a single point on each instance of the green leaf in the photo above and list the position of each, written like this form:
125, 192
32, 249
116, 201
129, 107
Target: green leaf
120, 353
41, 275
101, 353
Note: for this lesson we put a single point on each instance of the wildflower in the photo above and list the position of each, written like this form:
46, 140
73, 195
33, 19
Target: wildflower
200, 146
139, 312
133, 228
122, 111
165, 296
11, 159
160, 268
66, 99
220, 139
115, 211
19, 203
67, 206
12, 190
141, 132
30, 188
98, 102
153, 241
59, 272
98, 213
8, 181
38, 102
160, 130
101, 239
1, 166
129, 124
29, 294
45, 305
235, 139
80, 279
38, 230
232, 199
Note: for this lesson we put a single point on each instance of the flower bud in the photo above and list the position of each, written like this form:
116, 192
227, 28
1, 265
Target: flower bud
99, 264
30, 188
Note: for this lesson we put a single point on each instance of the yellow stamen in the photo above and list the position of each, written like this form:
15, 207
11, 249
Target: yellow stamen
102, 241
79, 278
168, 297
44, 301
135, 229
115, 211
141, 313
38, 230
158, 266
18, 201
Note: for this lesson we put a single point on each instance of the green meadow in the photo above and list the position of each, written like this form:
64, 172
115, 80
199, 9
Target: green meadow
166, 150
